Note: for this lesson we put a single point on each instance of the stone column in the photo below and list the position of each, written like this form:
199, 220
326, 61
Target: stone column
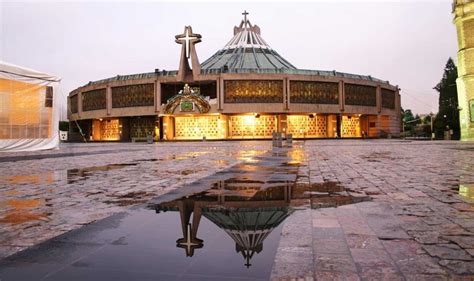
378, 94
108, 99
157, 96
342, 102
79, 105
341, 96
286, 93
220, 94
398, 110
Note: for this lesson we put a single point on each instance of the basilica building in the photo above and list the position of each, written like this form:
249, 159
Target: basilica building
246, 90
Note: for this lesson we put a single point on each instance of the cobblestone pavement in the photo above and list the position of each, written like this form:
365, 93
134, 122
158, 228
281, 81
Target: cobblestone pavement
419, 224
44, 194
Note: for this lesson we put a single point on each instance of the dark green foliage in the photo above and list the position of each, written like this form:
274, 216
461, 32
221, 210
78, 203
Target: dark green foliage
448, 114
408, 120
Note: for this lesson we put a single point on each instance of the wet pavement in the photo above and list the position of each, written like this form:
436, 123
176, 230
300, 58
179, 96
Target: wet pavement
322, 210
82, 183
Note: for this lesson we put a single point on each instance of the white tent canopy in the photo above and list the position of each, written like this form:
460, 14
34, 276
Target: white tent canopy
29, 104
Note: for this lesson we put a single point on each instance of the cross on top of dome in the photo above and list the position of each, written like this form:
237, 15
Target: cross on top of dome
246, 22
245, 13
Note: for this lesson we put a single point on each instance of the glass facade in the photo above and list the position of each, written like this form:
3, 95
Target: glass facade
94, 100
253, 91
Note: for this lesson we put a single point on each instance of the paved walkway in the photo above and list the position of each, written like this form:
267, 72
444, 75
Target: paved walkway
418, 226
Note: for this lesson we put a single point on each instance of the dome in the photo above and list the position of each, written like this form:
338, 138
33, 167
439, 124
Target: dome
247, 50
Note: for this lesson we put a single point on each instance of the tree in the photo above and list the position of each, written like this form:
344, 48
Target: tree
408, 115
448, 114
427, 119
408, 120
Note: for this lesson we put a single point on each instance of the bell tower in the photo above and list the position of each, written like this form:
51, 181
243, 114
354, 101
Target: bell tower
463, 11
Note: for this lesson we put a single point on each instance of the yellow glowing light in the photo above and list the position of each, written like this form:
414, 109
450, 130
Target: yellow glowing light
106, 130
22, 211
248, 155
23, 110
350, 127
307, 125
467, 191
249, 120
191, 127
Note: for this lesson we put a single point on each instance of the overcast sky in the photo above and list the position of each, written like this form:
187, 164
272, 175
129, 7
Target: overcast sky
405, 42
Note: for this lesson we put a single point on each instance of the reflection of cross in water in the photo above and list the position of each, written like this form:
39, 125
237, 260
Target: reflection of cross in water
248, 257
189, 243
252, 225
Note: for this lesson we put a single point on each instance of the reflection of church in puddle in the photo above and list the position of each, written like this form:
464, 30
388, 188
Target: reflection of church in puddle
248, 211
247, 215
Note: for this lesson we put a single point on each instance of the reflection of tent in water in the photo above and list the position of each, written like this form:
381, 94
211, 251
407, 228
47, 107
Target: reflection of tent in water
248, 227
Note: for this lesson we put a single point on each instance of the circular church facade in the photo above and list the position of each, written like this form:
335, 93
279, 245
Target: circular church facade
246, 90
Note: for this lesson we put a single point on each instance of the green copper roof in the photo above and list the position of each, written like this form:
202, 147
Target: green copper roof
246, 50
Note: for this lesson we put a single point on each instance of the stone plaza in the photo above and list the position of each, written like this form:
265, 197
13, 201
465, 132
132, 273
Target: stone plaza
410, 215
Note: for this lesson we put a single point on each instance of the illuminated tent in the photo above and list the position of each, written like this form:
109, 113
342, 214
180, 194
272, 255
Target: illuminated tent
29, 109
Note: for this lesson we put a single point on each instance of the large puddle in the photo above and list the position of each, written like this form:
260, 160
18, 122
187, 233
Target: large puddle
240, 211
247, 211
222, 226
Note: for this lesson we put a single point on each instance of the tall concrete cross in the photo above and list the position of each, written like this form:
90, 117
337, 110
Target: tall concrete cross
187, 38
